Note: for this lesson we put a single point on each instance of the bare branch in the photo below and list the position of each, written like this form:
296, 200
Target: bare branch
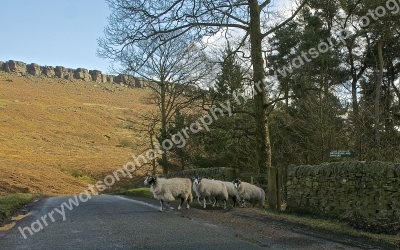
264, 4
287, 20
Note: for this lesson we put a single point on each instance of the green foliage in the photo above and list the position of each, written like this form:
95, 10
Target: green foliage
77, 174
143, 192
229, 80
230, 142
11, 203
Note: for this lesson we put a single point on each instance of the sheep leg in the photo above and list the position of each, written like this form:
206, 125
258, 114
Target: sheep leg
242, 203
187, 204
161, 208
198, 199
170, 206
224, 204
180, 205
234, 201
204, 202
215, 202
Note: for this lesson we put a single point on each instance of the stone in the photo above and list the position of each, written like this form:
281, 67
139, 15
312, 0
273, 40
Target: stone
17, 67
82, 74
369, 187
69, 74
34, 69
103, 78
139, 83
96, 75
125, 79
60, 71
110, 78
48, 71
6, 67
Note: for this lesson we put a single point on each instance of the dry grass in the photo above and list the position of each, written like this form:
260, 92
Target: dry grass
58, 135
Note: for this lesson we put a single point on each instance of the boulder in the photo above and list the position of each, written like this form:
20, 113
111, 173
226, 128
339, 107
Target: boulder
60, 71
103, 78
48, 71
138, 83
125, 79
82, 74
148, 84
6, 67
97, 76
17, 67
2, 66
34, 69
69, 74
110, 78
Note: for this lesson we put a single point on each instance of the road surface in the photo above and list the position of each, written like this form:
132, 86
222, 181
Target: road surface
117, 222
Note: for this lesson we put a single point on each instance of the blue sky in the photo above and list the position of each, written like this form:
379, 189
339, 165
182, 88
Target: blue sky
54, 32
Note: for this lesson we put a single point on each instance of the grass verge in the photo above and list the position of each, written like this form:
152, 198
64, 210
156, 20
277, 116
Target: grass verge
11, 203
324, 223
143, 192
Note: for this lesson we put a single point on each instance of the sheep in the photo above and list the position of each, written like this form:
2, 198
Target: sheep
198, 197
170, 189
210, 188
249, 192
232, 192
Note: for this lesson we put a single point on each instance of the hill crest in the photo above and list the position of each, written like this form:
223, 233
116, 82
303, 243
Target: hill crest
57, 137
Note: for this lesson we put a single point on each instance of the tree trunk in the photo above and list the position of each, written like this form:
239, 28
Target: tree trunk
356, 118
321, 122
377, 102
153, 161
355, 105
260, 100
164, 158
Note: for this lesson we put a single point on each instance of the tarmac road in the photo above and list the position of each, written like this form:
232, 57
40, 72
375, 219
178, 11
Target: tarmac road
114, 222
117, 222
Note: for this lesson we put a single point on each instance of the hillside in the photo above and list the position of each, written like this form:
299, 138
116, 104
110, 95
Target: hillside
57, 135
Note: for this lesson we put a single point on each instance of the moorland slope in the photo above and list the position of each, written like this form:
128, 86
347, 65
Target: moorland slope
57, 135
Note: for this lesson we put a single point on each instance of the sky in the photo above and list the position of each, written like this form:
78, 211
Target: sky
55, 32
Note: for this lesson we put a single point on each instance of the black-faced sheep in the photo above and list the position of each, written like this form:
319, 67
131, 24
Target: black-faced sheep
210, 188
249, 192
232, 192
170, 189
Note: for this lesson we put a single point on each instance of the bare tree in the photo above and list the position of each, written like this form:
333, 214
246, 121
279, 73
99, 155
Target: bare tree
172, 73
150, 122
159, 22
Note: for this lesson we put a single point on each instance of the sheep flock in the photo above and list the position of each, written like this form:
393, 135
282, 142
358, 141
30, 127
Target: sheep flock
167, 190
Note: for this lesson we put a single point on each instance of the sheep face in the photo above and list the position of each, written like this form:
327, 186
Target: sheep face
196, 180
150, 180
236, 183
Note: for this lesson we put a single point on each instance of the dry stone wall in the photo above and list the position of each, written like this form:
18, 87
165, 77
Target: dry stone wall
223, 174
370, 190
